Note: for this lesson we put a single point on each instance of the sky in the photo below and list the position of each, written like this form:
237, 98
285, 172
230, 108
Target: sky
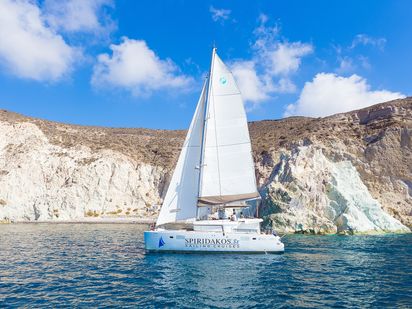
142, 63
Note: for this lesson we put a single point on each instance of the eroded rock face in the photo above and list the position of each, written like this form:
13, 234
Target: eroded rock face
309, 193
41, 181
347, 173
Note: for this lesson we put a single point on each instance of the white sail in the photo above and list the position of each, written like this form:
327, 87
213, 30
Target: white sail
180, 202
228, 172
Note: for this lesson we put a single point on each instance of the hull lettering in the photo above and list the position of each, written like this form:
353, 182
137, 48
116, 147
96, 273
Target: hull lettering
212, 243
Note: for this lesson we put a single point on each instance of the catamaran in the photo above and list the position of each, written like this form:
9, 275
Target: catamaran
214, 176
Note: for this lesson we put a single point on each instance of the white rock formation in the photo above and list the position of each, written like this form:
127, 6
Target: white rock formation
308, 192
41, 181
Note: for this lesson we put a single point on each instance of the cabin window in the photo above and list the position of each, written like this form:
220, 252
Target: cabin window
170, 236
254, 238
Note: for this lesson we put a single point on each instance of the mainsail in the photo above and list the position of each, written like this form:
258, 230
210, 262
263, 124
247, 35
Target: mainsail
218, 147
228, 172
181, 197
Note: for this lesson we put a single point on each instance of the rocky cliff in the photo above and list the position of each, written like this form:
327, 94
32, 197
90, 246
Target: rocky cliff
346, 173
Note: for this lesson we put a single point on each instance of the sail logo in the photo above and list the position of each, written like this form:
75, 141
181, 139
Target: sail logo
161, 242
223, 81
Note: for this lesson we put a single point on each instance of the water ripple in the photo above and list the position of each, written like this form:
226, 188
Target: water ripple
46, 265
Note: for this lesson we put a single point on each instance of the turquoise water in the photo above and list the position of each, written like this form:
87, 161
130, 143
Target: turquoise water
98, 265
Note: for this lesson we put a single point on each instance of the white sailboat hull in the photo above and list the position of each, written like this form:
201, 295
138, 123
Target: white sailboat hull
199, 241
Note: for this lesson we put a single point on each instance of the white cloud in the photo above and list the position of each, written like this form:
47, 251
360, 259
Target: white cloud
329, 93
364, 62
351, 64
219, 14
28, 47
273, 62
78, 15
346, 65
348, 58
284, 85
257, 88
252, 87
135, 67
278, 55
363, 39
263, 18
283, 58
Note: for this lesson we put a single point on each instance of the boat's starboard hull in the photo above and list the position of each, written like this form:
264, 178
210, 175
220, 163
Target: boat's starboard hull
210, 242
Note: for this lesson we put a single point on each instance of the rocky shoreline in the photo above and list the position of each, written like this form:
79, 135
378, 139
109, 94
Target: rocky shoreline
349, 173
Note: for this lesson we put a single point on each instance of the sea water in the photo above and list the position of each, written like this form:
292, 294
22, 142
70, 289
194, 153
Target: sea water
103, 265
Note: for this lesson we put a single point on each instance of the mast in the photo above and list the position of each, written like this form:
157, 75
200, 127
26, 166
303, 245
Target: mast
205, 117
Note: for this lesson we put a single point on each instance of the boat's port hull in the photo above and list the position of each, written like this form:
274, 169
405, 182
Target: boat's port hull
211, 242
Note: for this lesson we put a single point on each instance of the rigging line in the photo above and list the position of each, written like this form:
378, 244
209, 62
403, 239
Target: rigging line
204, 114
217, 147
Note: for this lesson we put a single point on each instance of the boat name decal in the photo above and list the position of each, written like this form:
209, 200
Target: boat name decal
211, 243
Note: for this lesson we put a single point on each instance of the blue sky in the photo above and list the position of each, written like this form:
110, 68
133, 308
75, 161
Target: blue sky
142, 63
